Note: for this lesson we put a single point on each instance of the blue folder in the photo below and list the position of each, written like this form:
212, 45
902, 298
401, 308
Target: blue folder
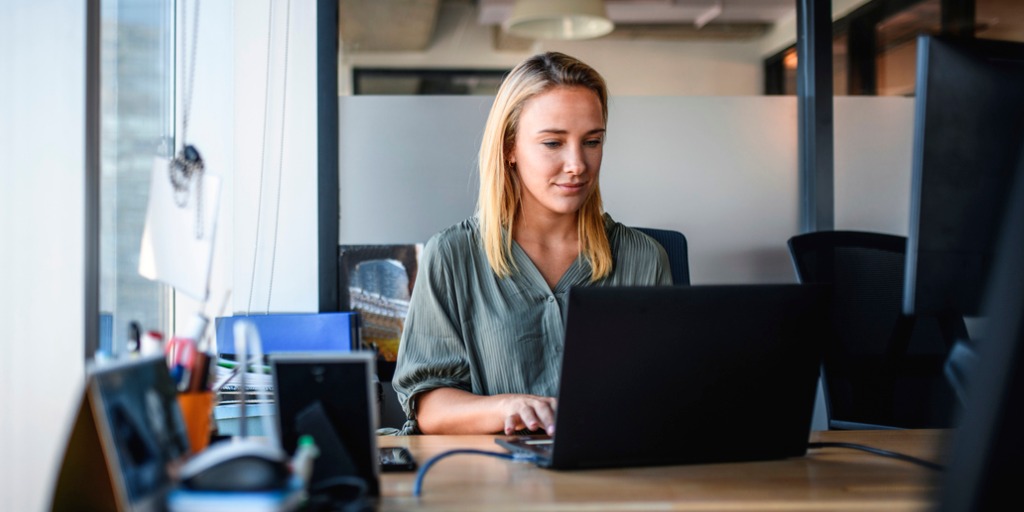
294, 332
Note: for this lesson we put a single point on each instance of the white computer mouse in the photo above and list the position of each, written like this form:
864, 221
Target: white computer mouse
237, 465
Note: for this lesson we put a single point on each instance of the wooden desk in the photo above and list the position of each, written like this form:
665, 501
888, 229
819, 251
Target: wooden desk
826, 479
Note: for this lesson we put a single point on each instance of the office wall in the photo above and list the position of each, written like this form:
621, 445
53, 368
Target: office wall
254, 120
273, 244
42, 246
723, 170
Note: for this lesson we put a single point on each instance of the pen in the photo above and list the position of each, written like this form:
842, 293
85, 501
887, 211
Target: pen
181, 358
134, 337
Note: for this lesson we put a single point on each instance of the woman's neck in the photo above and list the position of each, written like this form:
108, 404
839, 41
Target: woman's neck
546, 229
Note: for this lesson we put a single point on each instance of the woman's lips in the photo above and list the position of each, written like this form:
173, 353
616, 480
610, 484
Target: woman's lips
571, 187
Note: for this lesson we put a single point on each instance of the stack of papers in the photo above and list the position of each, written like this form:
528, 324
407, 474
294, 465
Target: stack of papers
259, 384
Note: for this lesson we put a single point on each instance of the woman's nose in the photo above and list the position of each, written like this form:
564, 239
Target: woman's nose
574, 163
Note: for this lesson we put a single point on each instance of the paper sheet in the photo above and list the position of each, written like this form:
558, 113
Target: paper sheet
171, 252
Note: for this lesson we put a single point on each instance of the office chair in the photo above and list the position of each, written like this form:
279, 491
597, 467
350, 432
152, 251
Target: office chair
885, 369
674, 243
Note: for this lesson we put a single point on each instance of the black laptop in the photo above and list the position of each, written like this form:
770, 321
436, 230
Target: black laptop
685, 375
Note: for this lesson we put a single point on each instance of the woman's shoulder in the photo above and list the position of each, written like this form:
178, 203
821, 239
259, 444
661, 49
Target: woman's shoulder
459, 237
629, 238
639, 258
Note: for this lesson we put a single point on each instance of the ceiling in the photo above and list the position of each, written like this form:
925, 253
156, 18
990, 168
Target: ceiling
665, 12
408, 25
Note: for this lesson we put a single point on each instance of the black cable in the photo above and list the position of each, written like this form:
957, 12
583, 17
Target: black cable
879, 451
418, 485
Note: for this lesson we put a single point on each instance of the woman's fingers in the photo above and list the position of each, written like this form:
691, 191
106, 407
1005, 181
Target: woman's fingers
530, 412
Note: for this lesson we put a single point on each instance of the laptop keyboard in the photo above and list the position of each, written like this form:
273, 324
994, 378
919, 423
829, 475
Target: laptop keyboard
530, 447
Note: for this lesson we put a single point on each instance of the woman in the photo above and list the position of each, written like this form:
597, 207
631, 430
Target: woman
481, 348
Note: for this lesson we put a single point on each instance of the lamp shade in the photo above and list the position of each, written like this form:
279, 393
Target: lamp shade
559, 19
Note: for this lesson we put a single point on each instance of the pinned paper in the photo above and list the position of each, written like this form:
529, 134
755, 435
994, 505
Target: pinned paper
175, 250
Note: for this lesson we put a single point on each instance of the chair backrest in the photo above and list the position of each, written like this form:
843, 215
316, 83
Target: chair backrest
886, 368
674, 243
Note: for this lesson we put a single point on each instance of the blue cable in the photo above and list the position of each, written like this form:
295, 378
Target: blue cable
418, 485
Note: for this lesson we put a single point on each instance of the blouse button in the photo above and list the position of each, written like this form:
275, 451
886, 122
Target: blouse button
551, 298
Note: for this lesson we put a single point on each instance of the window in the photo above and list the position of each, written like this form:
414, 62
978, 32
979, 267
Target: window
137, 124
875, 46
895, 59
426, 81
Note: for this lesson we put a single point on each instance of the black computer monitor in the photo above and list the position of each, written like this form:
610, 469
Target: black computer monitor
969, 114
983, 466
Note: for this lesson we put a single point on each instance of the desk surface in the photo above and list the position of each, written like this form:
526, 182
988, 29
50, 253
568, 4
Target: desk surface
826, 479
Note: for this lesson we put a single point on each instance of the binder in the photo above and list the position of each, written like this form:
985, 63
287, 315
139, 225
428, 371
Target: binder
294, 332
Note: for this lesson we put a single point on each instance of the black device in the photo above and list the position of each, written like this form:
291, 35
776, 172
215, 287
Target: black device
330, 396
984, 463
968, 117
396, 458
969, 114
700, 365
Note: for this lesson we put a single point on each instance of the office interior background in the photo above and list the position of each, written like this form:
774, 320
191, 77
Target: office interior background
702, 139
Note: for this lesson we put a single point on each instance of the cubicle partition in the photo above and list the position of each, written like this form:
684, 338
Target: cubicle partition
722, 170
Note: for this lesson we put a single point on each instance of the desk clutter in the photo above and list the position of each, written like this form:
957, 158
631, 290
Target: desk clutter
147, 434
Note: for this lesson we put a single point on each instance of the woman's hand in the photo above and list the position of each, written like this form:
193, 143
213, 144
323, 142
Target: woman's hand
530, 412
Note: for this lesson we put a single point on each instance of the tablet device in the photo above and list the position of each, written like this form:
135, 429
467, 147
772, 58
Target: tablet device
128, 436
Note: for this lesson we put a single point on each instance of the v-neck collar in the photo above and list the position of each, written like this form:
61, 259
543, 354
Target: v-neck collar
578, 271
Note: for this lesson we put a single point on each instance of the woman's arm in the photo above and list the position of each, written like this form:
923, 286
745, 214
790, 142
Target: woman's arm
454, 411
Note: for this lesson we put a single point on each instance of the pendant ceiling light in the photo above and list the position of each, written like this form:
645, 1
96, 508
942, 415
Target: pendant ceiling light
559, 19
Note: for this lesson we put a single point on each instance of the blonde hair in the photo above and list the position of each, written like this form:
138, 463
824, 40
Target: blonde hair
500, 191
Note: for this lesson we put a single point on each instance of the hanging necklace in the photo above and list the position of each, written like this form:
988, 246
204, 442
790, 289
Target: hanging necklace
187, 165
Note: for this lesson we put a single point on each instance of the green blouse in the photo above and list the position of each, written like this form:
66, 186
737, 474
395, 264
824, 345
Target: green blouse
471, 330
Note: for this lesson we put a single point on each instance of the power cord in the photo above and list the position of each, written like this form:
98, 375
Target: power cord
418, 485
879, 451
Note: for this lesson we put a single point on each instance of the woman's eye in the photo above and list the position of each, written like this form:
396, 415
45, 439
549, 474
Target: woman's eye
593, 143
551, 144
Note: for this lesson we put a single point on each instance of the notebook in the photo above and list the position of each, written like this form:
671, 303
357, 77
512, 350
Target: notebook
685, 375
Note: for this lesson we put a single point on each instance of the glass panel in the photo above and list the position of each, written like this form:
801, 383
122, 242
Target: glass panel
840, 65
789, 65
427, 81
136, 125
1000, 19
896, 40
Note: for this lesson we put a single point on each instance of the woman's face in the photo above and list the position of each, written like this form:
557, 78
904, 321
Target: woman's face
558, 150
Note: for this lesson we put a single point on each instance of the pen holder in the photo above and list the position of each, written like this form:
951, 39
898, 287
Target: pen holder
197, 409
